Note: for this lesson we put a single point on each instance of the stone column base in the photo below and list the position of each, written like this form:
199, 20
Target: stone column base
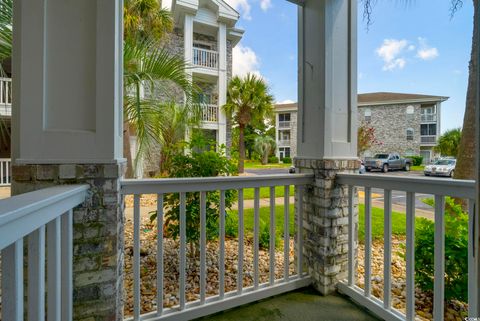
97, 233
325, 220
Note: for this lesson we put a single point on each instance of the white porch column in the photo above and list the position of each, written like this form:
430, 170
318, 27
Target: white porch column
327, 134
222, 83
67, 129
188, 38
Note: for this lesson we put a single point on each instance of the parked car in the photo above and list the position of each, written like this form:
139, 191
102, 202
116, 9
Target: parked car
362, 169
292, 170
441, 167
386, 162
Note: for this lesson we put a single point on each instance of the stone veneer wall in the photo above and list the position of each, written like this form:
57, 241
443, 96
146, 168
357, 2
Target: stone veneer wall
391, 123
325, 220
98, 239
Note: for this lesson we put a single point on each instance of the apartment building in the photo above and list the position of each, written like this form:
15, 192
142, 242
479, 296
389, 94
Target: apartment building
405, 123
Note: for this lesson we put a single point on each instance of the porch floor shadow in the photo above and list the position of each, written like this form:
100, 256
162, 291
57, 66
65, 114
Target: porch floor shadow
300, 305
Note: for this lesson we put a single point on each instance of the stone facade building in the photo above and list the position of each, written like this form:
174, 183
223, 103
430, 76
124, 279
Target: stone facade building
405, 123
205, 35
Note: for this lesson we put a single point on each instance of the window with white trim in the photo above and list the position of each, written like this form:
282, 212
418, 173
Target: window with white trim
410, 133
368, 115
410, 112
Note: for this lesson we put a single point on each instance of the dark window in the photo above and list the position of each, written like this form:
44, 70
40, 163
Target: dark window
284, 117
428, 129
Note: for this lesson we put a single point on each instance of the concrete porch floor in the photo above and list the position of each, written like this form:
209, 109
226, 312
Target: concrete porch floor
301, 305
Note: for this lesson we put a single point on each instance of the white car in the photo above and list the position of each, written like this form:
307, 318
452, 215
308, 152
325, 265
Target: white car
442, 167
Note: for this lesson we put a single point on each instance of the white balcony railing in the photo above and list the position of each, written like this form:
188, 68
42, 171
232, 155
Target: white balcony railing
428, 139
284, 142
5, 96
205, 58
429, 118
5, 171
210, 113
440, 189
203, 305
45, 216
284, 124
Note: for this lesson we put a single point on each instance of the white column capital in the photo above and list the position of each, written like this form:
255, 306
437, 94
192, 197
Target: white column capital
67, 79
327, 107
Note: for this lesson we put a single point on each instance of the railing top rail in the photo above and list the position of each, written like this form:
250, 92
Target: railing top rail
198, 184
206, 50
22, 214
5, 79
434, 186
5, 159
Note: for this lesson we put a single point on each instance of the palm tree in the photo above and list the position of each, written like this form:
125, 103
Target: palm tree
145, 65
264, 146
448, 143
146, 19
6, 16
248, 101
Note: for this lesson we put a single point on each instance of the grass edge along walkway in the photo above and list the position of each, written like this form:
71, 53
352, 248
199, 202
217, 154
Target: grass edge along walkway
398, 221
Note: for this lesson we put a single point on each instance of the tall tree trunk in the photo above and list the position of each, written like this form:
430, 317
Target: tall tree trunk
241, 148
465, 168
127, 151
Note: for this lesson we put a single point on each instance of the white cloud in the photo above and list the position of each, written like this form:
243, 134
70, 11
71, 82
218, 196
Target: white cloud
245, 61
411, 48
426, 52
287, 101
242, 6
390, 51
265, 4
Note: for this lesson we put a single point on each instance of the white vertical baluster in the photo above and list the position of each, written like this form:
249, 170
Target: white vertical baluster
240, 242
136, 257
183, 244
272, 235
159, 254
387, 252
473, 261
351, 239
203, 246
256, 229
1, 174
12, 282
67, 265
36, 275
7, 172
299, 205
410, 257
439, 259
221, 259
54, 302
286, 233
2, 96
368, 241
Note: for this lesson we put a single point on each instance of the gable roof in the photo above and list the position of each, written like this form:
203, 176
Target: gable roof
385, 98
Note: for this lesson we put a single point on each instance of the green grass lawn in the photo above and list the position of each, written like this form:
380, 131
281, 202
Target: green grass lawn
249, 193
417, 168
257, 165
398, 221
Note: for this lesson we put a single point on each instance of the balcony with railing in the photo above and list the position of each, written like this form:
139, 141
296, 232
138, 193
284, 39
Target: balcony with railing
284, 142
210, 113
252, 273
205, 58
5, 97
428, 139
428, 118
5, 171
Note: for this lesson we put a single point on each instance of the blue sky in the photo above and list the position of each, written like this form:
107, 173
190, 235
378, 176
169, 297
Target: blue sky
414, 48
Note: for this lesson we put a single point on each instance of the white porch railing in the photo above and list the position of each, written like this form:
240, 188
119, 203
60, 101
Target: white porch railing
429, 139
210, 113
205, 58
5, 171
5, 96
440, 189
242, 295
45, 218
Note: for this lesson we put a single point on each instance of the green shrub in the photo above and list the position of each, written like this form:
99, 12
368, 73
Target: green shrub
287, 160
273, 160
456, 255
264, 236
231, 227
416, 159
202, 164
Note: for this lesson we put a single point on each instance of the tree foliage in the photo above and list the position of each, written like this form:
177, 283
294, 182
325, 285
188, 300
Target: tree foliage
366, 139
264, 145
448, 143
248, 102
